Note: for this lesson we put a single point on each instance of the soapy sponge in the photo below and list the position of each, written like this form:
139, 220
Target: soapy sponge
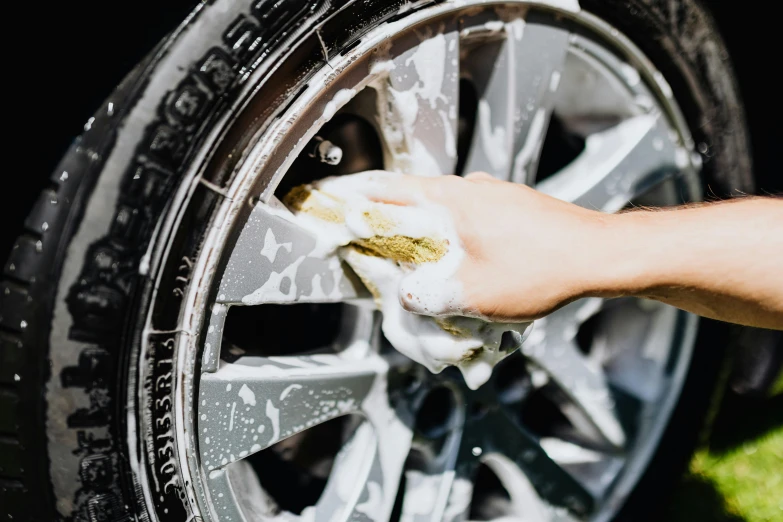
387, 244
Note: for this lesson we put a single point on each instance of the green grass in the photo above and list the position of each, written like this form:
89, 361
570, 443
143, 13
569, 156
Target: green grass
739, 476
777, 388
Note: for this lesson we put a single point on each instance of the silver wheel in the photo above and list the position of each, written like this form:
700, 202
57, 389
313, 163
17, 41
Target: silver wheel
566, 426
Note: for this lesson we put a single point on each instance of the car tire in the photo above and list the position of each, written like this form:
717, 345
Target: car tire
77, 283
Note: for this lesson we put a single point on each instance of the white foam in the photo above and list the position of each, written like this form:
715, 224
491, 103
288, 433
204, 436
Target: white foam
398, 115
429, 60
271, 246
247, 395
531, 145
495, 26
271, 291
342, 97
289, 389
273, 414
493, 139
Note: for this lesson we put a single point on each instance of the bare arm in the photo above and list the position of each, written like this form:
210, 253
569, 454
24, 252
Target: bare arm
719, 260
529, 254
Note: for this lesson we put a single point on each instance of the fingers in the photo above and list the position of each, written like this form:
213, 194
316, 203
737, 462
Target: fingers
393, 188
376, 185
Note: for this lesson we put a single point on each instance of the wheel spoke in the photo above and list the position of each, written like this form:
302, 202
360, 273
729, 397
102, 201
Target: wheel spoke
640, 334
538, 54
441, 489
525, 502
554, 349
356, 488
249, 405
417, 106
404, 78
619, 164
490, 67
366, 474
516, 77
594, 469
276, 261
553, 483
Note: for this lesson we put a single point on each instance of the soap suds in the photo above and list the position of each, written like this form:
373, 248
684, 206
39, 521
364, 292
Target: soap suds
631, 74
273, 414
404, 112
410, 255
379, 223
342, 97
271, 246
247, 395
530, 147
372, 507
429, 60
517, 28
317, 292
272, 290
494, 26
289, 389
493, 139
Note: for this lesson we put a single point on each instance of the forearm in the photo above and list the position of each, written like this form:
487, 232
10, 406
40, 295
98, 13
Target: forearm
526, 254
723, 261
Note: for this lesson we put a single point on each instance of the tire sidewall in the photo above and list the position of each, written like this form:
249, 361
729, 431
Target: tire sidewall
181, 98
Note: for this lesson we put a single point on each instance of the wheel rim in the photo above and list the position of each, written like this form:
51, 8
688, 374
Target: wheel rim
612, 371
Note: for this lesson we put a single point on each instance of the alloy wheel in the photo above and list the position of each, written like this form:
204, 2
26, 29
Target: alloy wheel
295, 406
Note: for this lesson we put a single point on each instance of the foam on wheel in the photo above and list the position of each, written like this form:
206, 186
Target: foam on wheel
97, 345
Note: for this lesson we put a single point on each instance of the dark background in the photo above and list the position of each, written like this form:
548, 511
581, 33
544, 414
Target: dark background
64, 58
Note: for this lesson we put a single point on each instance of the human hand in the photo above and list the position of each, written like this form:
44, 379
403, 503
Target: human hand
527, 254
396, 238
